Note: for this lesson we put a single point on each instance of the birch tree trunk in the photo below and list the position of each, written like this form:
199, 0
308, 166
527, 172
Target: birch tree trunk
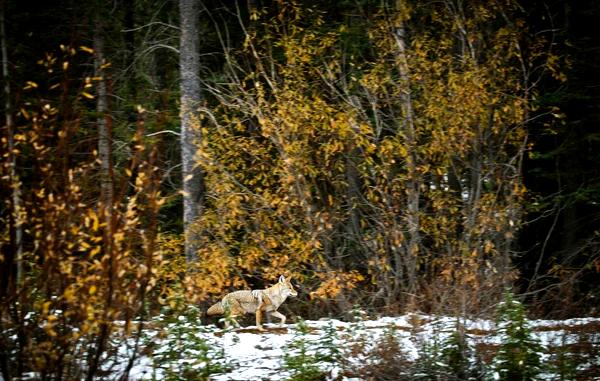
103, 122
408, 129
189, 66
15, 182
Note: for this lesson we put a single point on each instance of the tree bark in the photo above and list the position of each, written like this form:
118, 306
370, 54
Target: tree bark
408, 129
104, 126
103, 122
16, 228
15, 182
191, 96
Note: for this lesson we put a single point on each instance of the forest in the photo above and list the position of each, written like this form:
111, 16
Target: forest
387, 156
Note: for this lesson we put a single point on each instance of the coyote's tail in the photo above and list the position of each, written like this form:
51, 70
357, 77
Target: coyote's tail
216, 309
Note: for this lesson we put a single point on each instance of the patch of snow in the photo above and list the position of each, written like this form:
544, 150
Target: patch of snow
258, 355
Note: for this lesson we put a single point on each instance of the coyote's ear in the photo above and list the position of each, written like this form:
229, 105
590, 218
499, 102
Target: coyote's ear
281, 279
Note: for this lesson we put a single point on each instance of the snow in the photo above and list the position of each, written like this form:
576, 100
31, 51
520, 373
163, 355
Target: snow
255, 355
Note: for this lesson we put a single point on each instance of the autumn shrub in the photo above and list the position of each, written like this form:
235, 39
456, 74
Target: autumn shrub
76, 286
383, 359
356, 334
170, 270
441, 351
367, 357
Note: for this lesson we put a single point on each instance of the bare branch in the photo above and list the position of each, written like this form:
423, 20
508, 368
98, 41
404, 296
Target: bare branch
149, 25
163, 132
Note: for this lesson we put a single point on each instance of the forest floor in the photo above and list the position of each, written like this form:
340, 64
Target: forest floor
340, 350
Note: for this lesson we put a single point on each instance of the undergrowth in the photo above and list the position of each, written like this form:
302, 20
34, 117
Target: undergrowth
436, 350
308, 359
179, 351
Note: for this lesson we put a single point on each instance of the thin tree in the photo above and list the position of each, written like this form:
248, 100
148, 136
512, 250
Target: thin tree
16, 229
191, 96
407, 127
103, 122
10, 127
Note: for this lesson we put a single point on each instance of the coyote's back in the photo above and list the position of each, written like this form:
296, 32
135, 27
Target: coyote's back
244, 297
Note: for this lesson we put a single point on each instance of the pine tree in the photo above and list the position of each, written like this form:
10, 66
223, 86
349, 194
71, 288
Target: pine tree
302, 361
184, 352
519, 355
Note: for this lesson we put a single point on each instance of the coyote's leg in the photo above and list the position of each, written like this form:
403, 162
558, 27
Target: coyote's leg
263, 302
279, 315
234, 309
231, 319
259, 318
259, 312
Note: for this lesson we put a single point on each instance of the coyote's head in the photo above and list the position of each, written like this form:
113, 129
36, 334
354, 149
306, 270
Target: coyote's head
286, 288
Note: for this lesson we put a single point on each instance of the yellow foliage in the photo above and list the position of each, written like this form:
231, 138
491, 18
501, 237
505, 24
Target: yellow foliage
335, 282
392, 166
79, 278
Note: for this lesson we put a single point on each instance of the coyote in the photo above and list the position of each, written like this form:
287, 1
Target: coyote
255, 302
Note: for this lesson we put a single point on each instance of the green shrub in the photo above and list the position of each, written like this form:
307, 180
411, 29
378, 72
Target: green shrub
303, 357
182, 352
448, 356
564, 364
429, 364
459, 356
518, 358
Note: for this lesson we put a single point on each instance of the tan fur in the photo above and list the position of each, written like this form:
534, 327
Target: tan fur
255, 302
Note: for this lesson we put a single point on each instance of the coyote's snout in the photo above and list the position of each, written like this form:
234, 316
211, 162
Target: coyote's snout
255, 302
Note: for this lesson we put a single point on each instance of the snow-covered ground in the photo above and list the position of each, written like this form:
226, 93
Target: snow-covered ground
253, 355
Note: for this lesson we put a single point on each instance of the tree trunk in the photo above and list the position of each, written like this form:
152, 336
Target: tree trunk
15, 182
16, 229
104, 127
103, 122
189, 65
408, 129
